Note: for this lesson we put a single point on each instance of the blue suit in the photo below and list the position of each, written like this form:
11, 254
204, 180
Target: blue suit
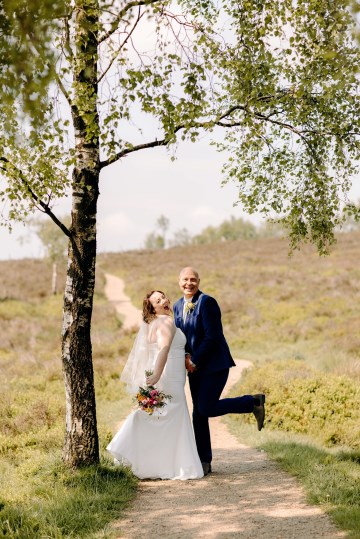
211, 355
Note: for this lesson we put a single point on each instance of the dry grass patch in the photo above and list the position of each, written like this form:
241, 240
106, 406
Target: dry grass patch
274, 306
39, 497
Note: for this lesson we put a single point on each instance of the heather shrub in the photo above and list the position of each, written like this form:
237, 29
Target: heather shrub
273, 306
302, 400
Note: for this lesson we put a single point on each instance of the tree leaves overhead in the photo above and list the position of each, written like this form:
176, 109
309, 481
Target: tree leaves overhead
276, 82
32, 161
293, 126
27, 55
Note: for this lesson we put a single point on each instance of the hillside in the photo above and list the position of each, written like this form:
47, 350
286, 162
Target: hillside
274, 306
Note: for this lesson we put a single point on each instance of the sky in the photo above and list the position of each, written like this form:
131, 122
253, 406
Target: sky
135, 192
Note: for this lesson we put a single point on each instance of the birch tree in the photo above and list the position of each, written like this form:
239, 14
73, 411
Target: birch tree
54, 243
276, 81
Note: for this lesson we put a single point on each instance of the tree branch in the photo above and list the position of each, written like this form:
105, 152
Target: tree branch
37, 50
67, 38
116, 21
63, 89
41, 203
115, 55
219, 122
154, 144
261, 117
267, 118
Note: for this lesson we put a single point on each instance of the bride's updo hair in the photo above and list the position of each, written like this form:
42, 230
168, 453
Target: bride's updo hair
148, 312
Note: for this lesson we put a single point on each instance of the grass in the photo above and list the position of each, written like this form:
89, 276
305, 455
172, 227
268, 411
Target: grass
274, 308
63, 503
39, 496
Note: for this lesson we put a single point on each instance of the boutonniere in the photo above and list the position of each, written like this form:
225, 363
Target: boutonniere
189, 307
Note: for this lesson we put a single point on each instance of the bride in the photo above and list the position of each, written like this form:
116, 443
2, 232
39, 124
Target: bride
161, 445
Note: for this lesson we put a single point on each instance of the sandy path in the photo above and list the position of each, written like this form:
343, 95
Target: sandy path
114, 291
247, 496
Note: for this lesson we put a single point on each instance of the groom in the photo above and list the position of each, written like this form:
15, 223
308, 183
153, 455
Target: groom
208, 360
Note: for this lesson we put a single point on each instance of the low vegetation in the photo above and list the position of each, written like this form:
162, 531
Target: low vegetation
39, 496
295, 318
306, 401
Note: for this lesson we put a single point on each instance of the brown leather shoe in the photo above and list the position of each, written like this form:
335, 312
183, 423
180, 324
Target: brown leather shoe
259, 410
206, 467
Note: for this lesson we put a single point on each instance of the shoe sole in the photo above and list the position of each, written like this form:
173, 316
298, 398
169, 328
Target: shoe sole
261, 397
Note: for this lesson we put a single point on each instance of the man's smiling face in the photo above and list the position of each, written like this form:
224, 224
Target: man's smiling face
189, 282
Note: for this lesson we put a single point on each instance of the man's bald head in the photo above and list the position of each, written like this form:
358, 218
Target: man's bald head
189, 269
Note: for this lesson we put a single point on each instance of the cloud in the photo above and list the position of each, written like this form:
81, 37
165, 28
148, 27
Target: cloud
116, 232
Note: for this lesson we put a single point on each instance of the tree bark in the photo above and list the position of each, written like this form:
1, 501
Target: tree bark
81, 438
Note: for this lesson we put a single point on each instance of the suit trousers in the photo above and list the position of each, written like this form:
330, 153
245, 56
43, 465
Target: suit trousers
205, 391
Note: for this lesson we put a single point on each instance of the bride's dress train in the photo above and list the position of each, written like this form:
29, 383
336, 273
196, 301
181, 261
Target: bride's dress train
161, 445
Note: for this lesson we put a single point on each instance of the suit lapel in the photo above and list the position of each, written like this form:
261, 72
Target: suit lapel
179, 314
195, 299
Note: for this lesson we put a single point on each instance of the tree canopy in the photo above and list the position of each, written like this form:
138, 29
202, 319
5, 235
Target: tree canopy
27, 55
280, 78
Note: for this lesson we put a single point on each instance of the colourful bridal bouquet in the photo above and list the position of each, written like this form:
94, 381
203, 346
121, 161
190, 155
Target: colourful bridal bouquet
149, 398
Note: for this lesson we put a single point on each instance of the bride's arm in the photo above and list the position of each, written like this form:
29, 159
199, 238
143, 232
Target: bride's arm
164, 335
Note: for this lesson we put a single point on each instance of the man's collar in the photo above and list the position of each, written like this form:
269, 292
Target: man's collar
195, 297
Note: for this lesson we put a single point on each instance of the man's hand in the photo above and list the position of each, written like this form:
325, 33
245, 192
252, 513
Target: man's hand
190, 367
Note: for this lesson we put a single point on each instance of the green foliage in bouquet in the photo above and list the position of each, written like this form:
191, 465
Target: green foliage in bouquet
302, 400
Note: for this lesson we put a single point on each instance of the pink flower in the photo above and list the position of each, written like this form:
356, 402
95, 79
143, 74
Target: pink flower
154, 393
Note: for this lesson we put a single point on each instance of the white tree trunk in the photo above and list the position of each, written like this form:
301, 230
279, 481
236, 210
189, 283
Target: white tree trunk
81, 439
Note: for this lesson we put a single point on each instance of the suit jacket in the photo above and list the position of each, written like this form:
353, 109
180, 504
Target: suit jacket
205, 339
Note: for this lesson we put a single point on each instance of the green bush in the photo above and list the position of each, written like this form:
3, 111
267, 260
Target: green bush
302, 400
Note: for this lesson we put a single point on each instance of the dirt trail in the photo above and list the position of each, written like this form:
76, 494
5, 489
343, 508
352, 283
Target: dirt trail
114, 291
247, 496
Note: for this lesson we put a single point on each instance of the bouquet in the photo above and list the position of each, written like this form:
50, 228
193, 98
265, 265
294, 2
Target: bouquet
149, 398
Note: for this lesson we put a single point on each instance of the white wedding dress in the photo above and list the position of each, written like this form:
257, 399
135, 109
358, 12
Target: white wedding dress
161, 445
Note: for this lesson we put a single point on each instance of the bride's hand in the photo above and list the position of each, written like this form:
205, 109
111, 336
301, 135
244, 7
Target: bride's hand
152, 379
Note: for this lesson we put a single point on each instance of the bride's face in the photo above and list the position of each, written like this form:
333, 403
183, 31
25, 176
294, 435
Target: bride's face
160, 303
